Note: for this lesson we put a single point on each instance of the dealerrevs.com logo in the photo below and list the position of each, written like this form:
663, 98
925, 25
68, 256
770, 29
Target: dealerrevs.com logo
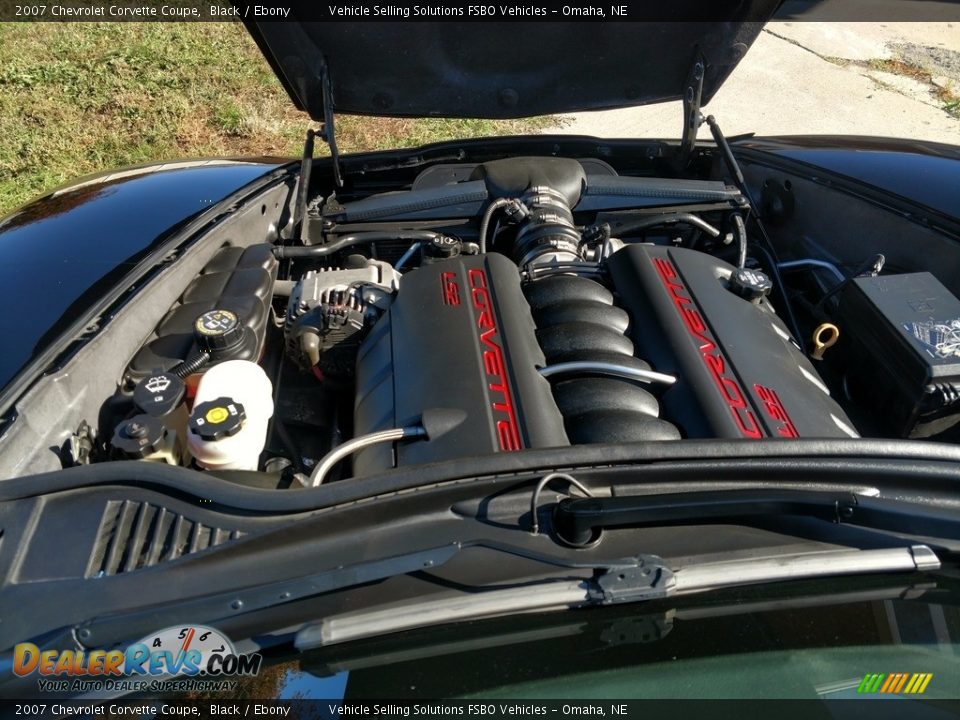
181, 657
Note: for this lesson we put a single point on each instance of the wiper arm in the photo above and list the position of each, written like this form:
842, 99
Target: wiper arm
649, 579
610, 581
580, 521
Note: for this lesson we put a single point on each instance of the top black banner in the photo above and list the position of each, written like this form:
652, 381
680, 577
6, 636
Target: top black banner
467, 11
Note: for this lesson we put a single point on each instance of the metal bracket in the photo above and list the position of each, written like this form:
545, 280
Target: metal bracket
650, 579
692, 119
328, 129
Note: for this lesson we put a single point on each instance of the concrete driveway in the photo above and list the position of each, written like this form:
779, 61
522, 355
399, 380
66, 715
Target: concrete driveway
885, 79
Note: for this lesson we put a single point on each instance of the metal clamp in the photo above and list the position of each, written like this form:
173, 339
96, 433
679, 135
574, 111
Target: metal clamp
651, 579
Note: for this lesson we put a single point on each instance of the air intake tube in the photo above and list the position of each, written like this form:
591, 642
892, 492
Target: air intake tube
547, 234
549, 189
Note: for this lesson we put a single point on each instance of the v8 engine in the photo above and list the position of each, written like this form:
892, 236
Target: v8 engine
563, 359
527, 303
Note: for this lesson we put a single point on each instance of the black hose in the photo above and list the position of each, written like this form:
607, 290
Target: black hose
741, 240
487, 216
667, 219
734, 167
318, 251
794, 326
874, 264
189, 366
606, 235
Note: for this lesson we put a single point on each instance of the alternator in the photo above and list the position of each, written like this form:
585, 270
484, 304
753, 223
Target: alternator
330, 309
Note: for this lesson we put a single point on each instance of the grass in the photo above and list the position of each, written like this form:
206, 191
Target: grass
899, 66
76, 98
947, 96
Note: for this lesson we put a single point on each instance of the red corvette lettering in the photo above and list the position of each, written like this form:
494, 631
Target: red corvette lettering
450, 289
508, 430
775, 409
714, 360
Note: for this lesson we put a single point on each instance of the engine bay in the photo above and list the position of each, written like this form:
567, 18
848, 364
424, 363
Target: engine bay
521, 303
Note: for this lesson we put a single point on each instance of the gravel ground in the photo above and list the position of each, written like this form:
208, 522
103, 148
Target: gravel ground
821, 78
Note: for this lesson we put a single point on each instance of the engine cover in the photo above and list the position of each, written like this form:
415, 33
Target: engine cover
459, 335
738, 373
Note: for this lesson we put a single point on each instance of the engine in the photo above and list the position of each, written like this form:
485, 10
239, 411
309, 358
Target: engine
565, 360
540, 322
667, 343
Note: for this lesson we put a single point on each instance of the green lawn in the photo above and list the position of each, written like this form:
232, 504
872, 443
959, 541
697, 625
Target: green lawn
76, 98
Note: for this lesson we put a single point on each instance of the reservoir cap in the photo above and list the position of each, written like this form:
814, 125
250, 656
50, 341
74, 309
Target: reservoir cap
750, 284
138, 437
217, 330
158, 393
216, 419
442, 247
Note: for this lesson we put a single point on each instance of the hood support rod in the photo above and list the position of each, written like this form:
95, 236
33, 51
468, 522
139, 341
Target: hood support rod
327, 133
328, 129
692, 119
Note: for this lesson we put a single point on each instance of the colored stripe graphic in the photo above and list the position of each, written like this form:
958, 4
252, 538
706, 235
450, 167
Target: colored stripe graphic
918, 683
871, 683
901, 681
891, 681
895, 683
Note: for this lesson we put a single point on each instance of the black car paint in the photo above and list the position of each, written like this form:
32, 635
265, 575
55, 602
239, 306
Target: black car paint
63, 253
925, 173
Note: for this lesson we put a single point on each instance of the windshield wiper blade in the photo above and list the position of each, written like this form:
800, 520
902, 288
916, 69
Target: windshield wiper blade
579, 521
634, 579
649, 579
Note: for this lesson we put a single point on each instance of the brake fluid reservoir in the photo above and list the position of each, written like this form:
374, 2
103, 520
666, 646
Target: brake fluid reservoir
228, 425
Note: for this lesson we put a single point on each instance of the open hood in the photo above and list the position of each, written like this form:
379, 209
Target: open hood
502, 69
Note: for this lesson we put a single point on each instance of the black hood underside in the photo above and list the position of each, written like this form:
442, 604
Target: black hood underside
502, 69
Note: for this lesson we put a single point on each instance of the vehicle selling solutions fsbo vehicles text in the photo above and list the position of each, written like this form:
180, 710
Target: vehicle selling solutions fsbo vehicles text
479, 11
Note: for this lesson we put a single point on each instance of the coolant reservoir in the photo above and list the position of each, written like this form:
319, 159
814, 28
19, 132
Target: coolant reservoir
228, 425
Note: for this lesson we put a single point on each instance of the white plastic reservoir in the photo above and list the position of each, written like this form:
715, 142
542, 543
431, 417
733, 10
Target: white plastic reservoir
231, 411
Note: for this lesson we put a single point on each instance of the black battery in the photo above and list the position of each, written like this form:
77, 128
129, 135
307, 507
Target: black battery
902, 334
